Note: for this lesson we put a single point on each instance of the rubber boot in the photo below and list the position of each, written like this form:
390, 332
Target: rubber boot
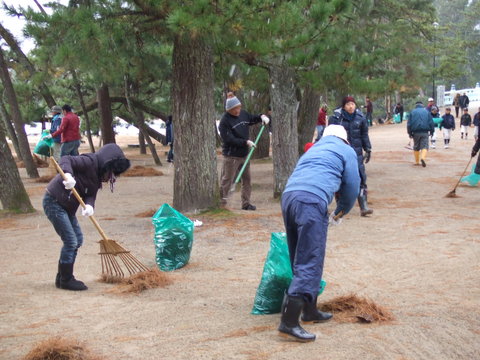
68, 281
362, 201
417, 157
312, 314
289, 324
57, 278
423, 157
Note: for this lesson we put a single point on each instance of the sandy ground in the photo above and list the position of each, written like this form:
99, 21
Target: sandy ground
418, 255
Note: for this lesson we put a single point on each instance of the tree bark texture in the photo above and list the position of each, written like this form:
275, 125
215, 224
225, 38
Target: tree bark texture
10, 129
307, 116
195, 181
106, 116
22, 58
144, 132
78, 89
17, 119
12, 192
141, 142
284, 129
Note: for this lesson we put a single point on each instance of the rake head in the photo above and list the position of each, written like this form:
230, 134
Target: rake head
110, 252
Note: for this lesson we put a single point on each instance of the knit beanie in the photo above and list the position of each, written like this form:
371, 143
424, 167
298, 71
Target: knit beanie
232, 102
347, 99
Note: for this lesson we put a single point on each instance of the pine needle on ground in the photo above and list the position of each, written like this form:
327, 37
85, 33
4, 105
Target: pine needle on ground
58, 348
352, 308
153, 278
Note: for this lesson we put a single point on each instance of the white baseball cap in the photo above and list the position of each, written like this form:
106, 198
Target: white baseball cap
430, 99
336, 130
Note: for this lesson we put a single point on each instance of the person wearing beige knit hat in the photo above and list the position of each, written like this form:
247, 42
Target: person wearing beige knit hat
234, 132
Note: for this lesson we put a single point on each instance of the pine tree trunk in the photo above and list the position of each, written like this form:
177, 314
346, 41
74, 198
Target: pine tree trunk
143, 130
10, 129
195, 181
12, 192
78, 88
105, 112
307, 116
284, 129
17, 119
141, 142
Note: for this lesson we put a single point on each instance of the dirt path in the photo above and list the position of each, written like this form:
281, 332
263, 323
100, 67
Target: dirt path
418, 255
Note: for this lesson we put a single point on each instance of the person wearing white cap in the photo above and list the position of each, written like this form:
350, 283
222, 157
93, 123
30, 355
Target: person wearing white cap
330, 166
234, 132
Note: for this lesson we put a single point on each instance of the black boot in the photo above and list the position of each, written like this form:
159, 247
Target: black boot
57, 278
362, 201
68, 281
312, 314
289, 325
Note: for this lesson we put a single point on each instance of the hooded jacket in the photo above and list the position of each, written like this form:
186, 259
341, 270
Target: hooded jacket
357, 129
87, 170
234, 132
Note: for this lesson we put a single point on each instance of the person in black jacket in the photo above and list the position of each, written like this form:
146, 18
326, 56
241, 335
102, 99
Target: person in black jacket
464, 101
85, 173
475, 149
465, 122
448, 125
476, 123
234, 132
169, 137
356, 126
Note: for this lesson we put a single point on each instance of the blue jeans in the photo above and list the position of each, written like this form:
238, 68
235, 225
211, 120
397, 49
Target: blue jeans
70, 148
306, 222
320, 129
67, 228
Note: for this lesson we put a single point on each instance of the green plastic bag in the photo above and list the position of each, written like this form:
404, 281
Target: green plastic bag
173, 238
276, 277
437, 121
44, 145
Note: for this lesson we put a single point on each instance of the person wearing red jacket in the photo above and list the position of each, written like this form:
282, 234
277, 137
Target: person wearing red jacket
321, 122
70, 132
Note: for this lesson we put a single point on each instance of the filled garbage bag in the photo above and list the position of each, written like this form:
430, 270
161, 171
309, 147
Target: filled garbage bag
43, 146
276, 277
173, 238
437, 121
473, 178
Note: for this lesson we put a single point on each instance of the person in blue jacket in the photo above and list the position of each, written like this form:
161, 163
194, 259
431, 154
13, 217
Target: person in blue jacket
330, 166
356, 126
56, 121
419, 127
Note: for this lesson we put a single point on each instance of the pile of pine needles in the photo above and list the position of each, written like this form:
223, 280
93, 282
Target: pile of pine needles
139, 170
153, 278
353, 308
58, 348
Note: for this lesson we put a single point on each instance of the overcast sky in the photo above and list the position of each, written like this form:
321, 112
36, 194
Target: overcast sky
15, 25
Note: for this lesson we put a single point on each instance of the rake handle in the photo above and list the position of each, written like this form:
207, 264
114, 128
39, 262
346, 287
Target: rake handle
463, 172
237, 180
80, 200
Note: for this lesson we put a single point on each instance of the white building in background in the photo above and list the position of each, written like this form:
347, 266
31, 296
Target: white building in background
448, 96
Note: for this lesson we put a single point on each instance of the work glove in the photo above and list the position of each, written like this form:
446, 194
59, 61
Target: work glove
265, 119
332, 221
251, 144
474, 153
88, 210
368, 153
69, 181
49, 136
